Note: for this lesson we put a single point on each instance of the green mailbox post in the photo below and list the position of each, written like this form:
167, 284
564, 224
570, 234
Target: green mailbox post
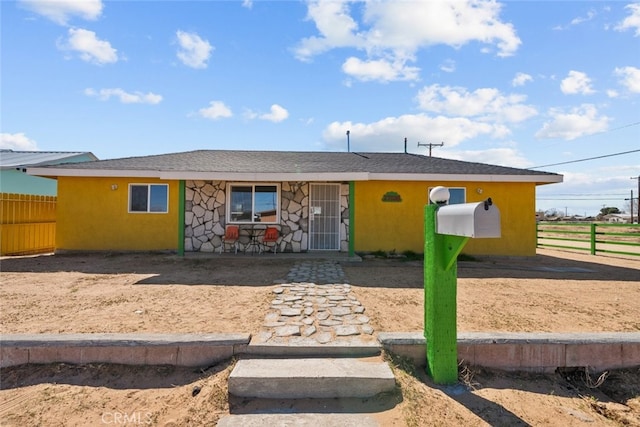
447, 229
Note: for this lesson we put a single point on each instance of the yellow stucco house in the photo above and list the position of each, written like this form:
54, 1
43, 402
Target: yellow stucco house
318, 201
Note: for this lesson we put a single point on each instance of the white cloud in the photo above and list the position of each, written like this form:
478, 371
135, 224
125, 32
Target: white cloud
577, 21
124, 97
611, 93
17, 141
335, 25
247, 3
604, 185
409, 25
580, 19
448, 66
494, 156
388, 134
462, 115
580, 121
576, 82
250, 114
380, 70
521, 79
598, 180
61, 11
631, 22
276, 114
194, 52
215, 110
629, 78
483, 103
396, 30
89, 47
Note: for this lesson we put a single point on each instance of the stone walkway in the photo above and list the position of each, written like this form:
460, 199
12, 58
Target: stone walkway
318, 272
314, 307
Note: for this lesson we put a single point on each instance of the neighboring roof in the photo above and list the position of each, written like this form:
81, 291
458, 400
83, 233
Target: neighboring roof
10, 159
297, 166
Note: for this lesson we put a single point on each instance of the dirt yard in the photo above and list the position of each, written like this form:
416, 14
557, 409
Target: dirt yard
554, 291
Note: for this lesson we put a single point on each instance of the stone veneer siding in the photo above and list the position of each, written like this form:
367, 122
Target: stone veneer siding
205, 217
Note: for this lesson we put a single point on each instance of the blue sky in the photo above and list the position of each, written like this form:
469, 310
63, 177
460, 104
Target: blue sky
517, 83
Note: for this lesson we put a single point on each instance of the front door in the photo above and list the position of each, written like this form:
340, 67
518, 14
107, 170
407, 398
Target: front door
324, 217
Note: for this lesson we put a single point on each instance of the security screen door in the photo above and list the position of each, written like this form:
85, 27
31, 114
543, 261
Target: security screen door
324, 217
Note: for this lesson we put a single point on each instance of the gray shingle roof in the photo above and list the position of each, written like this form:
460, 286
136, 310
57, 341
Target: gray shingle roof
300, 162
12, 159
270, 166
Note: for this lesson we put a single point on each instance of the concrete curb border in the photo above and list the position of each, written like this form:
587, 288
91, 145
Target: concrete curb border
533, 352
128, 349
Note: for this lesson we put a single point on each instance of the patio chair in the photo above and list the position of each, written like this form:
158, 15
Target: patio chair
231, 236
271, 235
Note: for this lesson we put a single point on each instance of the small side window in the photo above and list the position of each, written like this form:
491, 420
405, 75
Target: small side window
149, 198
456, 195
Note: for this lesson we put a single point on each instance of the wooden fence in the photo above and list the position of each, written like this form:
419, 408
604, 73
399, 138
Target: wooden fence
27, 224
595, 238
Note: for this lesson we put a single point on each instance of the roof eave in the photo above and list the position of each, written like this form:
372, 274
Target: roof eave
538, 179
221, 176
266, 176
291, 176
98, 173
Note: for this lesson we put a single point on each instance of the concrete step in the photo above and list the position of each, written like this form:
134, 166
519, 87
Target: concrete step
301, 420
310, 378
303, 349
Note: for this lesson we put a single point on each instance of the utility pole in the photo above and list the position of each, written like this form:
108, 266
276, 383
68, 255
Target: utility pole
430, 146
631, 204
348, 142
638, 210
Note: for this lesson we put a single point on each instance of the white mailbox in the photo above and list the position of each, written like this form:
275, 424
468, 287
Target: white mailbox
476, 220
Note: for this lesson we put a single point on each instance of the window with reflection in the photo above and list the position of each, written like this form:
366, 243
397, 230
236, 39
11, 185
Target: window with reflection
254, 203
149, 198
456, 195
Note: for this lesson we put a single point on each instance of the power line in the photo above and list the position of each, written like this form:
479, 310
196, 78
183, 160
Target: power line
564, 198
584, 160
581, 196
622, 127
590, 194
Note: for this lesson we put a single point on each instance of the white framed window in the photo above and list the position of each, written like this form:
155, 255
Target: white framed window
253, 203
457, 195
145, 198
